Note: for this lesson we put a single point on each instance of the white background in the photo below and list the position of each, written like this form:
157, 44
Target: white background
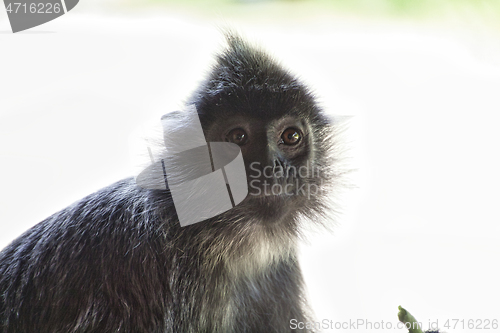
421, 229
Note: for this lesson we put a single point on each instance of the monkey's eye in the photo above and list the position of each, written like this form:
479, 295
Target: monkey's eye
291, 136
238, 136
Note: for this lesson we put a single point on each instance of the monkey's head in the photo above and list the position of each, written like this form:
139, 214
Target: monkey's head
285, 139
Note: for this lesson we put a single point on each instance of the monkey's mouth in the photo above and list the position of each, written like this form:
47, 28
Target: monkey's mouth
271, 208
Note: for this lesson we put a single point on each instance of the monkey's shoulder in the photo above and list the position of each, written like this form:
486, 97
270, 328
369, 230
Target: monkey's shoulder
98, 258
119, 217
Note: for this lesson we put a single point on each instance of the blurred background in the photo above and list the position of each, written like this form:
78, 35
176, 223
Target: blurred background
420, 226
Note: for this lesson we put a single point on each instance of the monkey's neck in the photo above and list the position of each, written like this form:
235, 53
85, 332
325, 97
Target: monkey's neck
253, 251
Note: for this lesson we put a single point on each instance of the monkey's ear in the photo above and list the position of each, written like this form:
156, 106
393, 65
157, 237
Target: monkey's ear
182, 130
337, 120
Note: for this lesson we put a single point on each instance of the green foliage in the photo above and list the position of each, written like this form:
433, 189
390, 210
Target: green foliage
476, 11
411, 323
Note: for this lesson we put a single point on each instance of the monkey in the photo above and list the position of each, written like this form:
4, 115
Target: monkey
119, 261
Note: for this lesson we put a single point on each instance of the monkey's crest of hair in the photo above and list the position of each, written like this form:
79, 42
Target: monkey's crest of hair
244, 71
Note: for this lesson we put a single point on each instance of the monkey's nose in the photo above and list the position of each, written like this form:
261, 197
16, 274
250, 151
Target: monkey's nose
278, 165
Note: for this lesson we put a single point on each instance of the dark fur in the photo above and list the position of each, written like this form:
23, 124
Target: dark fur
118, 260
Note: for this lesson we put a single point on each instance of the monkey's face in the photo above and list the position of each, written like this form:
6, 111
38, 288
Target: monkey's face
279, 136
